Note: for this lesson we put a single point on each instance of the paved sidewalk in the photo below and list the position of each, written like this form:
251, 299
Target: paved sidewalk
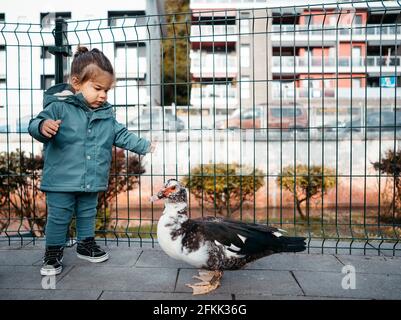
147, 273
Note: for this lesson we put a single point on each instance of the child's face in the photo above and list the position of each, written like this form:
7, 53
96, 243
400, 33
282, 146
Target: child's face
95, 90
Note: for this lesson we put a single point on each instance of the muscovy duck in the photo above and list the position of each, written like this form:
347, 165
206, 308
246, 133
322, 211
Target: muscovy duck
213, 243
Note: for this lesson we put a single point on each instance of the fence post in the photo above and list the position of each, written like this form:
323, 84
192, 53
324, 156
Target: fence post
61, 49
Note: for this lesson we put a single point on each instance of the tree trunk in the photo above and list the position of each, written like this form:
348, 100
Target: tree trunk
229, 212
299, 209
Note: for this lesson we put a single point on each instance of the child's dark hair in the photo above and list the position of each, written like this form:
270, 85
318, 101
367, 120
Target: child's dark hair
84, 60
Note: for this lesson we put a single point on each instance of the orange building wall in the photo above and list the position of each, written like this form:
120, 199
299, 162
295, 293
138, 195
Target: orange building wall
331, 17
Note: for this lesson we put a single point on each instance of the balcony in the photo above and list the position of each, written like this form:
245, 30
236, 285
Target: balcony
330, 34
213, 33
213, 66
289, 92
345, 64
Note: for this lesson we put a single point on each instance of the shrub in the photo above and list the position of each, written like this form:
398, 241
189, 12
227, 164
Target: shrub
20, 177
19, 189
390, 164
225, 186
307, 183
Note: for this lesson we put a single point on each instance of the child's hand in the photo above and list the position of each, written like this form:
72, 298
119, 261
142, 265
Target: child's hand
50, 127
152, 147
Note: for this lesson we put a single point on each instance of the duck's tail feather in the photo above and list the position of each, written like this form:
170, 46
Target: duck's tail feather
292, 244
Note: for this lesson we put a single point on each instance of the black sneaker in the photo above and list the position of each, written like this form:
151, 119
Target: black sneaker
88, 250
52, 261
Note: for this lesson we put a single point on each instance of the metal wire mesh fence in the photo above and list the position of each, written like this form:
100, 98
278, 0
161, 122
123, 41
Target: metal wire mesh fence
284, 116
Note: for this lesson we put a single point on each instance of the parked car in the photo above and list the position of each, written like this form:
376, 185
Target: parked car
285, 117
372, 123
333, 126
23, 124
154, 121
4, 128
375, 121
242, 117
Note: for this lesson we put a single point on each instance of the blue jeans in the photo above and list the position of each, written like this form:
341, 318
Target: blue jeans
60, 208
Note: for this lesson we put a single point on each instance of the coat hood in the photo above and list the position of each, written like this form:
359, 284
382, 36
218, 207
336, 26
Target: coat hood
65, 92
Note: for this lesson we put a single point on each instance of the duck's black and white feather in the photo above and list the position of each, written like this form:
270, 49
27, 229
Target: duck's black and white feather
215, 243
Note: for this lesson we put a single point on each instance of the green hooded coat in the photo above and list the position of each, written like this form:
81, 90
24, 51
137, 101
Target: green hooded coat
78, 157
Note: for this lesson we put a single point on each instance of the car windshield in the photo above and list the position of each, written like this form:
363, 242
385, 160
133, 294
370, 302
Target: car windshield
246, 113
285, 112
386, 117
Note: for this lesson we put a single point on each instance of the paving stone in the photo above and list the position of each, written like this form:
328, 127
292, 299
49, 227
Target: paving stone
19, 277
118, 257
360, 248
370, 264
133, 243
49, 294
246, 281
146, 272
157, 258
5, 245
20, 257
368, 286
291, 261
120, 279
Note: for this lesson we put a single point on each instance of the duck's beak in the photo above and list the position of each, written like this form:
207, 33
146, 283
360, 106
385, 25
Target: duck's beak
158, 196
163, 193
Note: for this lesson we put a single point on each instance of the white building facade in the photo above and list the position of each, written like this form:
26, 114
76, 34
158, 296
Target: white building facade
128, 32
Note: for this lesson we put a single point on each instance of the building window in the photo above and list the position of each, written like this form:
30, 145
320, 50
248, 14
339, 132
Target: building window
2, 92
357, 20
327, 84
357, 56
307, 20
245, 52
130, 59
2, 17
373, 82
128, 47
46, 81
48, 19
119, 18
2, 54
244, 22
2, 62
356, 83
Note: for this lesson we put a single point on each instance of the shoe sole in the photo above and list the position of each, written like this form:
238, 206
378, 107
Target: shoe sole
51, 272
94, 259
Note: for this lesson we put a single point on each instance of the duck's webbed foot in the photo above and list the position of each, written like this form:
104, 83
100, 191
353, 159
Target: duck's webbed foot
210, 280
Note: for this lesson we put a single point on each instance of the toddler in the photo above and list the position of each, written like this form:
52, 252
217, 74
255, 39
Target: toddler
79, 129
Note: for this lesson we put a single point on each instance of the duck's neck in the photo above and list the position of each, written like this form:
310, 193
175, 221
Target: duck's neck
176, 211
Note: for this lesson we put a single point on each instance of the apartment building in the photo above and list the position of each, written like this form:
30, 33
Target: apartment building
127, 32
339, 55
228, 40
246, 53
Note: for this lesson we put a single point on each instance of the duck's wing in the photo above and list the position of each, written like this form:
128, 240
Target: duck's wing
247, 238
